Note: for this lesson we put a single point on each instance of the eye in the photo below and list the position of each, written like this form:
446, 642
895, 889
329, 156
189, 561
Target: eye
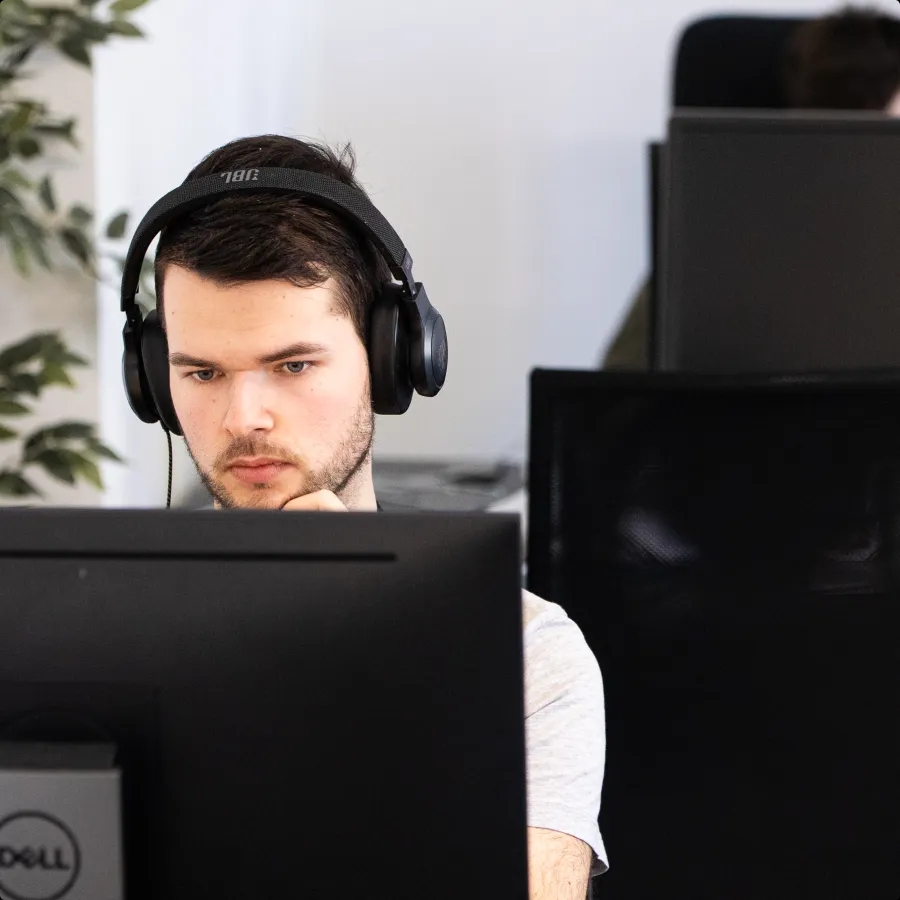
203, 375
296, 368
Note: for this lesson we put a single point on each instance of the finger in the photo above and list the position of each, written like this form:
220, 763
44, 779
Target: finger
319, 501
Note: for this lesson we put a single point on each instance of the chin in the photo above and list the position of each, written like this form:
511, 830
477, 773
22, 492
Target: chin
266, 500
262, 498
256, 496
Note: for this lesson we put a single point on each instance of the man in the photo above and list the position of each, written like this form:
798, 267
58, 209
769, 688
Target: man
849, 60
264, 300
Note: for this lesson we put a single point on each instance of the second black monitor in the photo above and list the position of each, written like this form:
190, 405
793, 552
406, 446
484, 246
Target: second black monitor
731, 549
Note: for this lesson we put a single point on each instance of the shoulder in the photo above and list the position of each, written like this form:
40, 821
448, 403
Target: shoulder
534, 607
559, 665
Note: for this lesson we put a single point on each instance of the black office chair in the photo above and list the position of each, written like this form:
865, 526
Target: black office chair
733, 62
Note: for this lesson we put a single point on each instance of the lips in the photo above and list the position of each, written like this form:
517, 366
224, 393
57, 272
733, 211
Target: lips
259, 473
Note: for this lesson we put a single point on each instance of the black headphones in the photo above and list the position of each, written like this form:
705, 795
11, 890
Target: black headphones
406, 338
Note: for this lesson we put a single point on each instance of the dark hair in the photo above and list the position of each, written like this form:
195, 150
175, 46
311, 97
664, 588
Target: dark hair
847, 60
259, 235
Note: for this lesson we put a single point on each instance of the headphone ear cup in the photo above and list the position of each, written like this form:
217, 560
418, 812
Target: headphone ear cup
155, 354
388, 344
136, 388
428, 354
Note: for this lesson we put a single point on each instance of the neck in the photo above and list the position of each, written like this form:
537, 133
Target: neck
358, 495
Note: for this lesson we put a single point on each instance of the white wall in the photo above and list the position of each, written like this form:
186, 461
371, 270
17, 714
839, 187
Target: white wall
65, 301
503, 140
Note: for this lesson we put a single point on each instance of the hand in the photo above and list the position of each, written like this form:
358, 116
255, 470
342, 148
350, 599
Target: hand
320, 501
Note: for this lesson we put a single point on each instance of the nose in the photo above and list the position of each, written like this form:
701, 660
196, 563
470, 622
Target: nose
247, 407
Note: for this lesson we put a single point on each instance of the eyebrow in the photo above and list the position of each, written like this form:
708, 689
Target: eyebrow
299, 349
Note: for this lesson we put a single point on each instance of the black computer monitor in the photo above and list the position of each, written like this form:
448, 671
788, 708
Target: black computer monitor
304, 704
779, 243
731, 549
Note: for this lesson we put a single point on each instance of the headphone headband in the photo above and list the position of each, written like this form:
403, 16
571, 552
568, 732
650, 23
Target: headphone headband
407, 339
326, 191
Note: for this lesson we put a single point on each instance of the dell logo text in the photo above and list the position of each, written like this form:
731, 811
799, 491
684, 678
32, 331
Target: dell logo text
44, 858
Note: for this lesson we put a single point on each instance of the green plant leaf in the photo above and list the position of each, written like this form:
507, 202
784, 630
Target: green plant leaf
19, 257
40, 254
35, 444
24, 383
26, 238
73, 359
80, 215
64, 130
53, 347
9, 198
125, 29
51, 340
14, 485
77, 244
35, 234
45, 192
7, 434
16, 179
19, 120
28, 147
12, 408
117, 225
76, 49
92, 30
55, 463
120, 7
33, 228
54, 373
68, 431
87, 469
103, 451
23, 352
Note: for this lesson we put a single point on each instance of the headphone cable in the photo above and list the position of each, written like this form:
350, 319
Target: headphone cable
169, 488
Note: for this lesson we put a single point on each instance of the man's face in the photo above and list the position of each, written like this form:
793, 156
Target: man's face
271, 387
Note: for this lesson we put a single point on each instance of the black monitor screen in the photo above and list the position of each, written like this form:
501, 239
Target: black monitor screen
730, 548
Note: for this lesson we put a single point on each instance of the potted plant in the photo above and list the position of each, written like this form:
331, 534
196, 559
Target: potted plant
37, 233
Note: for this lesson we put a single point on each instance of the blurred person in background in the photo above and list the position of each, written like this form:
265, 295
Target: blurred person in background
848, 60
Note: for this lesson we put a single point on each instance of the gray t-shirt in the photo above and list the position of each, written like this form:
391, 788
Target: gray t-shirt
565, 725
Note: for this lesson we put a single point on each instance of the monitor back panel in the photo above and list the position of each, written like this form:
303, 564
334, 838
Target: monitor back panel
731, 549
779, 247
305, 705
